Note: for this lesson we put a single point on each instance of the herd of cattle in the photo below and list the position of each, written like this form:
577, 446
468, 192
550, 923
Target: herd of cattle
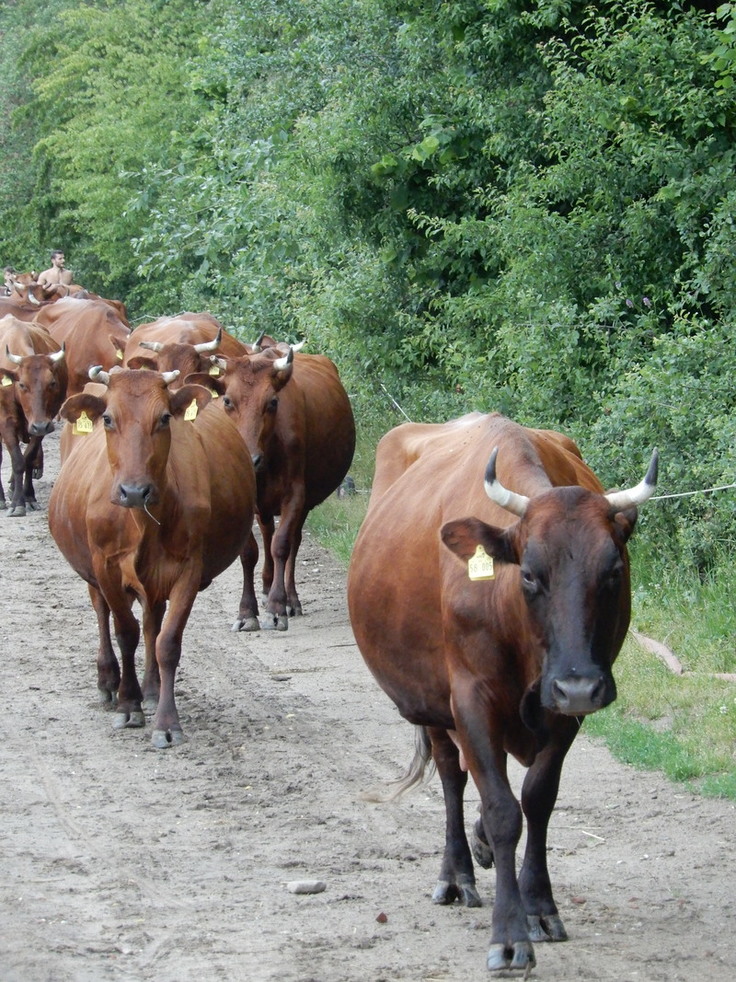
488, 590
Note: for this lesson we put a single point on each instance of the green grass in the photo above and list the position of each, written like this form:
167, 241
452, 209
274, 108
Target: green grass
681, 725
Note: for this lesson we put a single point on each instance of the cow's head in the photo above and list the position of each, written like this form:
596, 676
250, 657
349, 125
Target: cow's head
250, 388
136, 411
40, 385
569, 545
186, 359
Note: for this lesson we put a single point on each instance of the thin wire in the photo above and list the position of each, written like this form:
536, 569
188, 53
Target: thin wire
687, 494
394, 402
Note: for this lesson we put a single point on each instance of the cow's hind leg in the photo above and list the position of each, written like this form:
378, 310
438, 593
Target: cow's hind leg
457, 877
152, 618
539, 794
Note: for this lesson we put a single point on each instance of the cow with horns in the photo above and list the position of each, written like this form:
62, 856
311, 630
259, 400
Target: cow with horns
492, 619
151, 504
33, 383
295, 417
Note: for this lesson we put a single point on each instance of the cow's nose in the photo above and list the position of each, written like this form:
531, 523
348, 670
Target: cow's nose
134, 495
41, 427
577, 696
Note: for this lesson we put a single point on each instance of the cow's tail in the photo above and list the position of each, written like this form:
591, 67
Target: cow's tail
420, 771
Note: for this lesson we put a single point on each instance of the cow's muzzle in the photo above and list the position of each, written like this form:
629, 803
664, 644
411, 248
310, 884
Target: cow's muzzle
580, 695
135, 495
41, 428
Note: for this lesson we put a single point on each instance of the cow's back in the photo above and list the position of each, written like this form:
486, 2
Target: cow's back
85, 328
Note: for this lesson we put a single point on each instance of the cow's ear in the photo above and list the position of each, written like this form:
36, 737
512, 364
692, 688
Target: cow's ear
142, 362
212, 382
181, 400
463, 536
280, 376
83, 402
8, 376
623, 524
119, 346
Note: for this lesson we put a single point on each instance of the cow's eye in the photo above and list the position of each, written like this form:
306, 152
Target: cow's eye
273, 405
227, 402
529, 581
165, 419
107, 421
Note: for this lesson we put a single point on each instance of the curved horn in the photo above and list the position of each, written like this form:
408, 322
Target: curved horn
299, 346
281, 363
58, 355
209, 345
16, 359
32, 298
97, 375
510, 500
256, 346
169, 377
151, 345
619, 500
220, 362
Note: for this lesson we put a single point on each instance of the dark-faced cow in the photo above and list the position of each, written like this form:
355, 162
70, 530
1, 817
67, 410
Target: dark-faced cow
33, 382
297, 422
92, 333
154, 502
490, 604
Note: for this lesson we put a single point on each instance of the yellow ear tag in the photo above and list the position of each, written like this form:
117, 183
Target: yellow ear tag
119, 355
7, 380
480, 566
214, 370
192, 410
83, 425
215, 393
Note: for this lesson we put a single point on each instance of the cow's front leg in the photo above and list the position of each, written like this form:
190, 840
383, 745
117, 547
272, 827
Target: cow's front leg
539, 794
167, 729
511, 947
247, 619
108, 669
457, 877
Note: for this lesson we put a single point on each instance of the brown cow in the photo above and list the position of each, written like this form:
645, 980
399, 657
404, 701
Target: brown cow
297, 422
152, 505
33, 381
182, 343
489, 660
92, 332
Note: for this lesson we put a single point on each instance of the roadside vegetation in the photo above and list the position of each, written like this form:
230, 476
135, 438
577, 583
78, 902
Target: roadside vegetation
519, 205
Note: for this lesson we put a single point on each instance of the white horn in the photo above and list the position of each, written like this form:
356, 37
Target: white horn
281, 363
620, 500
97, 375
152, 345
16, 359
58, 355
169, 377
209, 345
510, 500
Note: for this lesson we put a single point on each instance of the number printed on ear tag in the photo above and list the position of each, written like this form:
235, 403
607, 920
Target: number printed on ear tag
480, 566
83, 425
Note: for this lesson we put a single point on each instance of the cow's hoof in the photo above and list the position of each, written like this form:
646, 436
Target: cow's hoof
107, 698
246, 624
33, 504
3, 506
546, 928
520, 955
275, 622
150, 704
18, 511
447, 893
163, 739
124, 721
482, 852
37, 473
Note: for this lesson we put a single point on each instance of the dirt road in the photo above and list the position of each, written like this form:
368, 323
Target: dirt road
120, 863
